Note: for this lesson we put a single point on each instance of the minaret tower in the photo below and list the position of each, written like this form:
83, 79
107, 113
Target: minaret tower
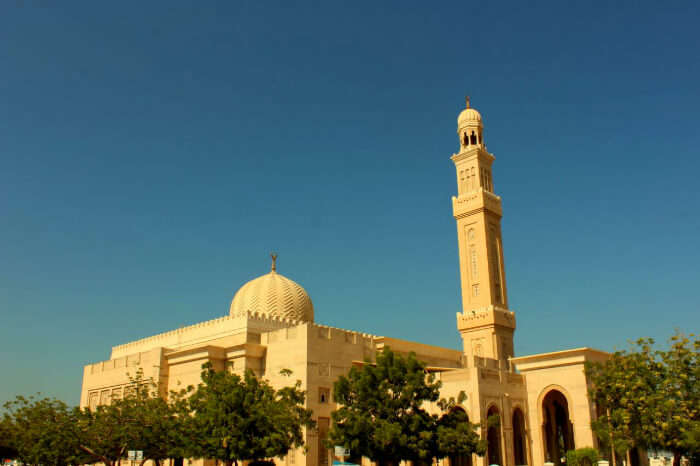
485, 323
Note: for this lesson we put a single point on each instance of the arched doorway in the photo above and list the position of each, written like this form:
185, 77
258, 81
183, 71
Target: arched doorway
519, 445
557, 430
493, 436
461, 460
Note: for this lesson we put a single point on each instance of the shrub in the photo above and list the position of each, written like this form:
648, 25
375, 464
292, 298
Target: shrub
582, 457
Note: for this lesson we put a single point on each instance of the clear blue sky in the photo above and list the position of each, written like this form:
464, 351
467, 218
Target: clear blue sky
152, 154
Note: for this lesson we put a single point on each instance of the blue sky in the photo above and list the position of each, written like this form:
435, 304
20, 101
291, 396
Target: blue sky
152, 154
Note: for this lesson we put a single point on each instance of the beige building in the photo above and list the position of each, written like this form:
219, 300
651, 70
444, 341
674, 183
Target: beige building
542, 399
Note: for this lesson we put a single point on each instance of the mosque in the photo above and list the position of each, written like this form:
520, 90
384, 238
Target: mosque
541, 399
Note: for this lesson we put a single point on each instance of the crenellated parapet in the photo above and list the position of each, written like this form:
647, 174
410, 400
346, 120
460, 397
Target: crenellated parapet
240, 322
326, 331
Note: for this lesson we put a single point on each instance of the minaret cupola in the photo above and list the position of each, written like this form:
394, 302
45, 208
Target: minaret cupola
470, 128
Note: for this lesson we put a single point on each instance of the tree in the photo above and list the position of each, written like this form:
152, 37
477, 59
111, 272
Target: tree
456, 436
7, 441
675, 410
582, 457
625, 377
243, 418
40, 431
159, 425
382, 414
103, 433
649, 398
141, 420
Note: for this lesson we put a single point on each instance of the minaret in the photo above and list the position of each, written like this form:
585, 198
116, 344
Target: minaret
485, 323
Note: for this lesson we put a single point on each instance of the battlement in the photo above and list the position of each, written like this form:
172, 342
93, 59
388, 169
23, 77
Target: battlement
221, 326
131, 360
319, 331
330, 333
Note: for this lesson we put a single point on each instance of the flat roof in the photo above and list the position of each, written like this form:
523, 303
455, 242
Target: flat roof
556, 354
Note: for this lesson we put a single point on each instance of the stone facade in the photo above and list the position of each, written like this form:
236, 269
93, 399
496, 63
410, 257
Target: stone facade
542, 400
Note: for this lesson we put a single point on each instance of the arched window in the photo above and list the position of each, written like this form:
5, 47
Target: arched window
473, 138
466, 139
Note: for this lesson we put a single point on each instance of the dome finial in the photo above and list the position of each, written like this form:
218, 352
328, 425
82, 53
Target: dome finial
274, 262
467, 99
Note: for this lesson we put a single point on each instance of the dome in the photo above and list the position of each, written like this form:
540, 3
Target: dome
469, 117
275, 295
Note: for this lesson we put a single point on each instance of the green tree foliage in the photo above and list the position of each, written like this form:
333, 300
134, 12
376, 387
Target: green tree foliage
7, 442
582, 457
103, 433
456, 436
649, 398
692, 440
244, 418
158, 424
39, 431
382, 414
141, 420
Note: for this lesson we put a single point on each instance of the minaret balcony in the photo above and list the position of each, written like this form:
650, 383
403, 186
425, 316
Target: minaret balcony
476, 201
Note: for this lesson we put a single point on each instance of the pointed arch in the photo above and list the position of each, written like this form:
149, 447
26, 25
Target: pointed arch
556, 423
519, 437
493, 436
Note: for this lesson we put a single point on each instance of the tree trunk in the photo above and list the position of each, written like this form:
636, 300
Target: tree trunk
229, 462
676, 458
612, 440
629, 457
104, 459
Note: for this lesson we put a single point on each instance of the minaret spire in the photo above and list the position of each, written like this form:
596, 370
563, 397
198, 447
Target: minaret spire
273, 256
467, 99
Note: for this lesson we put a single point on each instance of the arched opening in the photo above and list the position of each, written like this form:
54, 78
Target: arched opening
473, 138
461, 460
493, 436
519, 437
557, 430
466, 139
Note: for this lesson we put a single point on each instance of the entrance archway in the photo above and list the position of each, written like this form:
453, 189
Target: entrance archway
493, 436
557, 429
461, 460
519, 445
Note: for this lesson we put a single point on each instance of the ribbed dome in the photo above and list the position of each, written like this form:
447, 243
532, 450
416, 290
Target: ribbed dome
468, 115
275, 295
